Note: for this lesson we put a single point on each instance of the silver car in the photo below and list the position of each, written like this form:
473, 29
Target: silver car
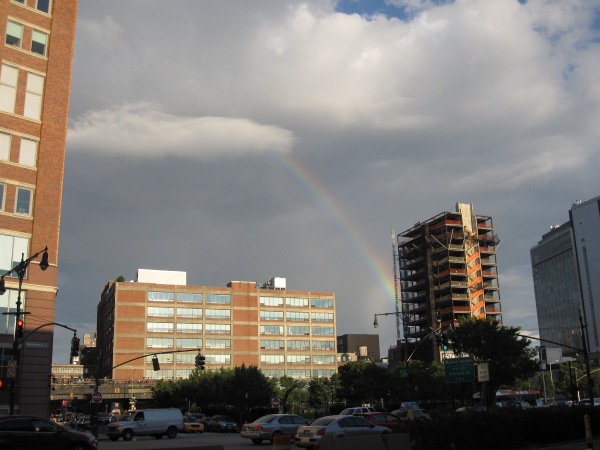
269, 426
336, 427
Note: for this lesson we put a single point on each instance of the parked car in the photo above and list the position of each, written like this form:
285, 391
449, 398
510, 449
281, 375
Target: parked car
387, 420
411, 414
357, 410
32, 432
222, 424
269, 426
104, 418
192, 425
336, 427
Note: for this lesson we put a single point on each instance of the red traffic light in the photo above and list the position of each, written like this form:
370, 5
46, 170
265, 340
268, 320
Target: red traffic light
19, 327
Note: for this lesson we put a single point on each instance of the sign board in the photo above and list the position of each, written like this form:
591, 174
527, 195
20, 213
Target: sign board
36, 344
275, 403
96, 397
11, 369
483, 372
459, 370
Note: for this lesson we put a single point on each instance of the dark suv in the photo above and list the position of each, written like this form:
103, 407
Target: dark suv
32, 433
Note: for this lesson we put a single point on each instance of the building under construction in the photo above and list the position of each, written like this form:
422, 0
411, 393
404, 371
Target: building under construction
447, 269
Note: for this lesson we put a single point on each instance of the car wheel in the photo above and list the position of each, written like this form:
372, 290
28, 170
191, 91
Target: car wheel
127, 435
257, 441
171, 432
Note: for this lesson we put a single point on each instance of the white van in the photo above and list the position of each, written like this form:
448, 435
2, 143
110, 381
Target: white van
146, 422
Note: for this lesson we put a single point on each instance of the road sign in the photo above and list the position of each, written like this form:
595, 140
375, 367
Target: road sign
275, 403
96, 397
459, 370
483, 372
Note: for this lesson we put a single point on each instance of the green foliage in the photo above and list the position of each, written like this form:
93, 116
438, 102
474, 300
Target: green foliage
363, 382
509, 356
120, 279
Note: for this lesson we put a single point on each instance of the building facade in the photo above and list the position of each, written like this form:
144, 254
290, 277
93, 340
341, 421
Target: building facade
283, 332
566, 278
447, 269
35, 76
362, 346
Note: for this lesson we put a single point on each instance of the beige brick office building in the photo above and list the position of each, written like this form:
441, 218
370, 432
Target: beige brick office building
281, 331
35, 76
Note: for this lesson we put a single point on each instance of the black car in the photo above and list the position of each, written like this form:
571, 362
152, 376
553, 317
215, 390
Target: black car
32, 433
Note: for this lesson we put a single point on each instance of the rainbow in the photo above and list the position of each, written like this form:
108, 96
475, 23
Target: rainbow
380, 267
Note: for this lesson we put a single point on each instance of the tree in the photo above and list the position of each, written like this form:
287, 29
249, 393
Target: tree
120, 279
363, 382
508, 354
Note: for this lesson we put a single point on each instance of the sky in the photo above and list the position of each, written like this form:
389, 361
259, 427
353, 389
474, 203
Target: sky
250, 139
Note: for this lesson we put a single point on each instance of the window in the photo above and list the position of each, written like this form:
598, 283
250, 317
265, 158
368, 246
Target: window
293, 316
12, 248
323, 359
4, 146
298, 345
183, 374
165, 358
299, 373
218, 328
272, 359
14, 34
189, 343
184, 358
8, 305
218, 313
218, 343
159, 374
159, 327
323, 373
2, 190
42, 5
273, 373
159, 343
8, 88
23, 201
222, 299
38, 42
271, 301
160, 296
193, 313
28, 152
189, 328
218, 359
298, 359
271, 329
189, 298
33, 96
296, 302
271, 344
323, 345
298, 331
154, 311
321, 303
322, 331
20, 1
321, 317
271, 315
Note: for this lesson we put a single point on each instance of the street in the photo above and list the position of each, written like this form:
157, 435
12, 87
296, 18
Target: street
229, 441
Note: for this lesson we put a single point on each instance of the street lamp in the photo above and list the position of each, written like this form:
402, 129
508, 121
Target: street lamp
20, 270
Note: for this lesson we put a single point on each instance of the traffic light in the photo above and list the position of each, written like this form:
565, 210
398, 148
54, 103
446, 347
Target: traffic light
155, 363
200, 361
438, 340
456, 346
445, 343
20, 328
75, 346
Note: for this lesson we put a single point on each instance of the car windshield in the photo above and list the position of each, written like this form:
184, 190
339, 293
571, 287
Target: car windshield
127, 416
323, 421
266, 419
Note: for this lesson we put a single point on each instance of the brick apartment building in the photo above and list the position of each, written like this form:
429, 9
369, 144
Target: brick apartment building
35, 77
281, 331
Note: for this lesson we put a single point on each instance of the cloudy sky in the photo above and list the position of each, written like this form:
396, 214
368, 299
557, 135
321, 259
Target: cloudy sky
246, 139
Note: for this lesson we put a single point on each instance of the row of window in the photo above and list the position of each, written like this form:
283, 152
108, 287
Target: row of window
196, 313
296, 316
15, 33
26, 149
34, 89
298, 302
297, 359
301, 374
23, 203
40, 5
223, 328
225, 299
12, 249
272, 344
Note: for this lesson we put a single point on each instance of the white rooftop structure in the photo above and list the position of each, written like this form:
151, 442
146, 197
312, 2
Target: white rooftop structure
161, 277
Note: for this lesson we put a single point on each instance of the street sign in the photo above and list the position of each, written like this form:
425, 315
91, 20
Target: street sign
96, 397
459, 370
483, 372
275, 403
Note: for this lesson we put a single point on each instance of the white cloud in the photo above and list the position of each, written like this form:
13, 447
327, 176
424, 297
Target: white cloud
145, 131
